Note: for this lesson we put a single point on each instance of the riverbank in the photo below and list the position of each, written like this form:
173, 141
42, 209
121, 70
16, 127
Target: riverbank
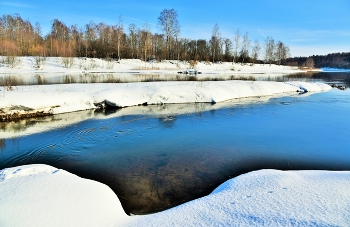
45, 196
54, 65
43, 100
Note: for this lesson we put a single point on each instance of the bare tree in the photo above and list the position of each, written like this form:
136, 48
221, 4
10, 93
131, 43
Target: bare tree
237, 40
245, 47
159, 46
310, 63
228, 48
132, 39
170, 26
279, 52
203, 49
18, 37
37, 34
286, 54
145, 41
269, 50
60, 34
215, 42
90, 37
120, 32
255, 51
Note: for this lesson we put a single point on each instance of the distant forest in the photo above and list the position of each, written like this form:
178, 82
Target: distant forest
335, 60
18, 37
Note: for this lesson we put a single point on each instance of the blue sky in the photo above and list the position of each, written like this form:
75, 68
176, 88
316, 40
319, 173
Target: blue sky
307, 26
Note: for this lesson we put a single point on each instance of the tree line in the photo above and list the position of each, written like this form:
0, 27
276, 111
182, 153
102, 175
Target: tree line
334, 60
19, 37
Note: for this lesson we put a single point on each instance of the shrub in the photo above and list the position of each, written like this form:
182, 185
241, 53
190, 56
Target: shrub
193, 64
67, 61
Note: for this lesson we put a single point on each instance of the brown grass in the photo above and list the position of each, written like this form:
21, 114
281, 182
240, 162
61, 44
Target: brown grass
146, 68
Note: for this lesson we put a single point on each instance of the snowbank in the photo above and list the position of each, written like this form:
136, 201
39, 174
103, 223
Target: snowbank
266, 198
63, 98
309, 87
28, 126
40, 195
53, 65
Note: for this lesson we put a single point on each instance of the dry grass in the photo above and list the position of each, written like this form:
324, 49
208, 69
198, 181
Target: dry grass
147, 68
9, 82
249, 78
193, 64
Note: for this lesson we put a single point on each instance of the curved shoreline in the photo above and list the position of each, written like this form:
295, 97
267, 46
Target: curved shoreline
45, 196
43, 100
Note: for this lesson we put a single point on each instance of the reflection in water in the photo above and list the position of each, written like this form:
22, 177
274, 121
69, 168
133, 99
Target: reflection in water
59, 78
167, 115
328, 77
167, 121
2, 144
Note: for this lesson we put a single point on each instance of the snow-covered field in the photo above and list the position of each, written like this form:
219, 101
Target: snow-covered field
27, 65
41, 195
88, 70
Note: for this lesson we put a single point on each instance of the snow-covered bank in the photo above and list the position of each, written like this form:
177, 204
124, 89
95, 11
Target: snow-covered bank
265, 198
40, 195
27, 126
52, 65
55, 99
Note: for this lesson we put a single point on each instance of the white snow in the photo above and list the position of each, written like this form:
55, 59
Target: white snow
30, 126
309, 87
64, 98
54, 65
40, 195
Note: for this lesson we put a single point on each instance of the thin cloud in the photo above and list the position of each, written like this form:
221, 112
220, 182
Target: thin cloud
16, 4
262, 33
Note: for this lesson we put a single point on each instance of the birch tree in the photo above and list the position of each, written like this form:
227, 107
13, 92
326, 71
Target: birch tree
245, 47
215, 42
132, 39
170, 26
145, 41
237, 40
269, 50
281, 52
255, 51
120, 32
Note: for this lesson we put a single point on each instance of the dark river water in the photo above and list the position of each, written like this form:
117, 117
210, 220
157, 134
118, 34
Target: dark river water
157, 157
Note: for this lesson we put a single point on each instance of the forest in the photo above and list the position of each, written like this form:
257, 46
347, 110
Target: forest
18, 37
334, 60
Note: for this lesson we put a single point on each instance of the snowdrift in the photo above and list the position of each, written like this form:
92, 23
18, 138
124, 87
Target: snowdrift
41, 195
24, 101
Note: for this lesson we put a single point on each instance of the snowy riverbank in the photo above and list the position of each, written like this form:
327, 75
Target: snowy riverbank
54, 65
54, 99
26, 101
40, 195
27, 126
